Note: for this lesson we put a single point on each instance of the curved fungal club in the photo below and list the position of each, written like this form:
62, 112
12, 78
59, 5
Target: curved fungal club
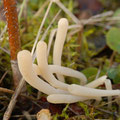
57, 90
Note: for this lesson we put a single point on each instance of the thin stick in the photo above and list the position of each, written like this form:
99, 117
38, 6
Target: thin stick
46, 31
41, 9
112, 58
52, 34
21, 10
17, 116
73, 17
6, 51
13, 100
98, 72
2, 33
3, 76
92, 21
41, 26
53, 20
71, 33
5, 90
104, 14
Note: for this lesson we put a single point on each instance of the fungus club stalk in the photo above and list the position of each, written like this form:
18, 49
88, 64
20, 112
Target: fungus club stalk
14, 36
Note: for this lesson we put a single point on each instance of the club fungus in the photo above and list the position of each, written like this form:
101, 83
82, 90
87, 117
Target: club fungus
25, 65
56, 89
97, 82
108, 86
64, 71
76, 90
26, 69
41, 53
67, 98
59, 43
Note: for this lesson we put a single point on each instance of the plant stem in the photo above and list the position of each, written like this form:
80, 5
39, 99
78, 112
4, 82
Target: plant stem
14, 36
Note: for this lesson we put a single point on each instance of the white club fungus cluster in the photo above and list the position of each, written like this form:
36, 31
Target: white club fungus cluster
57, 90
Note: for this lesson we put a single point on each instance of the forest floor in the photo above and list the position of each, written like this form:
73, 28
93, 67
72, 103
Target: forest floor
93, 50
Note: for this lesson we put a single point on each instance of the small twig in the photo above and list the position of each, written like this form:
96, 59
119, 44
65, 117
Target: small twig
21, 10
99, 18
3, 76
52, 34
109, 13
101, 105
112, 58
113, 18
107, 27
75, 26
92, 21
41, 26
41, 9
46, 31
5, 90
13, 101
108, 112
6, 51
19, 116
53, 20
72, 16
2, 33
98, 72
71, 33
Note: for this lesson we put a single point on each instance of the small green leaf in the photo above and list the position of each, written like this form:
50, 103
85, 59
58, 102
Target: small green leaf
113, 39
91, 73
114, 74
